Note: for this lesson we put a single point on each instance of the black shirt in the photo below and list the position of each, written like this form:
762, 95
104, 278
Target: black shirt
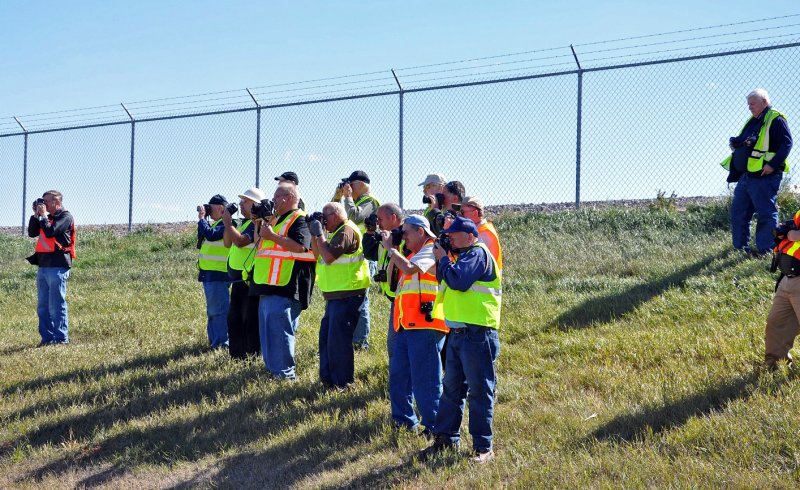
61, 230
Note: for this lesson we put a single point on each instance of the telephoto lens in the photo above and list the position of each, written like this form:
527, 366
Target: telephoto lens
232, 208
263, 209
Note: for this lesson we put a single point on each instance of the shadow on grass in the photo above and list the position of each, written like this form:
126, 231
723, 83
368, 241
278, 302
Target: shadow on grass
608, 307
674, 414
155, 361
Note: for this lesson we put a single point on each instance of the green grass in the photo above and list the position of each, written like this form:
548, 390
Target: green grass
630, 347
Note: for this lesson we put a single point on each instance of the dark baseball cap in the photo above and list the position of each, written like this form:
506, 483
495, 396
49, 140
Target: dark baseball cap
290, 176
218, 199
359, 175
462, 224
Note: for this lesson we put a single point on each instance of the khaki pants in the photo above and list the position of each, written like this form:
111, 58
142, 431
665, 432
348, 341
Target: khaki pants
783, 321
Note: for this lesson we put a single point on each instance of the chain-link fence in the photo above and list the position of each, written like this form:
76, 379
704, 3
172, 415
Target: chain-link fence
596, 130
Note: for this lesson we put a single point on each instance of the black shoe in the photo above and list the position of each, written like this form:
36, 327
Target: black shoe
439, 444
44, 343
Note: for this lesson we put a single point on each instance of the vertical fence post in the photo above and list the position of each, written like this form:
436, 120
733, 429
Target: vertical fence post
578, 132
258, 135
400, 144
130, 185
24, 175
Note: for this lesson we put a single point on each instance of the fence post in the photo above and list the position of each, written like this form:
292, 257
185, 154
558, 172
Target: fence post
24, 176
578, 132
258, 135
400, 144
130, 187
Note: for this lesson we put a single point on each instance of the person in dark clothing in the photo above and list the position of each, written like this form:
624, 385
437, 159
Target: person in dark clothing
55, 249
757, 164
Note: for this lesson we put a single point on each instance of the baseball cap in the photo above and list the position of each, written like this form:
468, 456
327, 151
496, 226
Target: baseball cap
434, 179
420, 221
218, 199
290, 176
474, 201
358, 175
253, 194
462, 224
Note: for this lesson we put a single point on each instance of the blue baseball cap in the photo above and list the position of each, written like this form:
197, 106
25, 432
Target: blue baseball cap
420, 221
218, 199
462, 224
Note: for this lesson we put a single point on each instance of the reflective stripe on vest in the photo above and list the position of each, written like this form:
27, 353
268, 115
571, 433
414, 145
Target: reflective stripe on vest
375, 204
412, 291
349, 272
479, 305
274, 264
487, 234
241, 258
788, 247
213, 255
760, 153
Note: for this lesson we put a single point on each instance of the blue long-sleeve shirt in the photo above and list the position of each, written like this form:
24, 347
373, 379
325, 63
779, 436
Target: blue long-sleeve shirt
780, 143
471, 265
211, 234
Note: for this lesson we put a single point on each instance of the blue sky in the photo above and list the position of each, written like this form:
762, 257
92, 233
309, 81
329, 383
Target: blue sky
66, 55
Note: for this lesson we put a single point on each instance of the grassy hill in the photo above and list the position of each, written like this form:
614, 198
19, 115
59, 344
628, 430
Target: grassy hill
630, 346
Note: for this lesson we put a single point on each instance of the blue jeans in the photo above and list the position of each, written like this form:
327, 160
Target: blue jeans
391, 334
415, 373
336, 340
469, 374
217, 305
278, 319
361, 333
51, 304
759, 196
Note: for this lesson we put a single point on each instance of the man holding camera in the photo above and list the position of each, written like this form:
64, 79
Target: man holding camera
55, 249
243, 312
343, 278
453, 195
782, 320
283, 277
433, 196
470, 294
757, 164
415, 368
212, 263
472, 209
359, 204
390, 220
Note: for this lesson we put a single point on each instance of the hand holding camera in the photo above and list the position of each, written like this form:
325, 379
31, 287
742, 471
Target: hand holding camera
203, 210
434, 201
781, 231
39, 207
263, 209
315, 227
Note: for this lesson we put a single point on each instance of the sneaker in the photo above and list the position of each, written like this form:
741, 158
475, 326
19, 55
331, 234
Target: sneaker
481, 458
439, 444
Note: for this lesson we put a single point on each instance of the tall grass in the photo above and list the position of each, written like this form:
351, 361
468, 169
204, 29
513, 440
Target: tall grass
630, 346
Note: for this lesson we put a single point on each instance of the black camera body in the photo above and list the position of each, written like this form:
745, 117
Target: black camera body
440, 218
37, 202
444, 242
426, 307
315, 216
263, 209
783, 229
206, 207
342, 183
439, 200
232, 208
397, 236
380, 276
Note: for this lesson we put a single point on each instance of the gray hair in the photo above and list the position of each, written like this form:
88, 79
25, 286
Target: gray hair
394, 209
289, 190
337, 208
760, 93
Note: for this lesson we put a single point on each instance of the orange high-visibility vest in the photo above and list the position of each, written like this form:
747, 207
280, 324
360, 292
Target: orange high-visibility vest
273, 264
788, 247
487, 234
412, 291
47, 244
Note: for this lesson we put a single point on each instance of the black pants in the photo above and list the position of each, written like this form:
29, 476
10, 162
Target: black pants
243, 322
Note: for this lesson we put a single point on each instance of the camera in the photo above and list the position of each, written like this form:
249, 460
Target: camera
439, 200
440, 218
783, 229
232, 208
207, 207
342, 183
263, 209
380, 276
371, 222
37, 202
397, 236
315, 216
444, 242
427, 308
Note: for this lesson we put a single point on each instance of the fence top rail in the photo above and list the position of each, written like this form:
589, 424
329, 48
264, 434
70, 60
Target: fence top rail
411, 90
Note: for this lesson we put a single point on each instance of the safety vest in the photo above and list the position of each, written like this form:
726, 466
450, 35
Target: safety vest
47, 244
759, 154
788, 247
487, 234
375, 204
213, 255
348, 272
241, 258
383, 263
479, 305
412, 291
273, 264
